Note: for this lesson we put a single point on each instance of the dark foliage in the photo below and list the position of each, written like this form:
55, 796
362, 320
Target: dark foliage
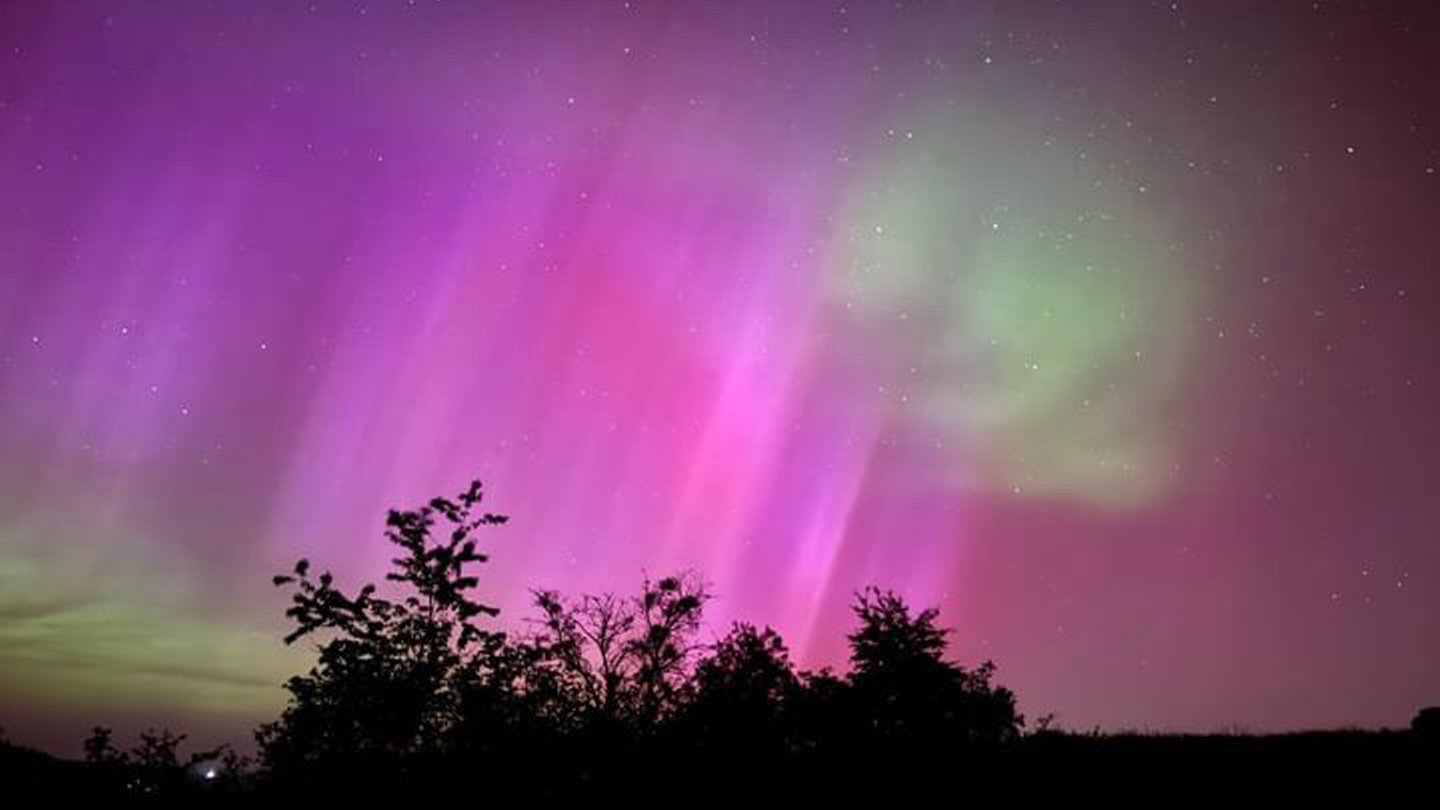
1426, 724
610, 696
386, 693
606, 693
906, 693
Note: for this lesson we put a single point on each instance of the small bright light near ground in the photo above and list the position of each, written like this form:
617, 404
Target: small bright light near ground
209, 773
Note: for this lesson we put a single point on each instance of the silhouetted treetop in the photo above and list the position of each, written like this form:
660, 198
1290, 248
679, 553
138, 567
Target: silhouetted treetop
390, 672
889, 637
623, 660
905, 689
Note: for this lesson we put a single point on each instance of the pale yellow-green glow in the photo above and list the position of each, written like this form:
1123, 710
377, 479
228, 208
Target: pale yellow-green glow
102, 643
1041, 308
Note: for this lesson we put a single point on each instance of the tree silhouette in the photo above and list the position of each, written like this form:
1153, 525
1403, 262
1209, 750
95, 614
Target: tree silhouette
1426, 724
585, 644
622, 661
100, 748
664, 645
391, 673
742, 693
905, 690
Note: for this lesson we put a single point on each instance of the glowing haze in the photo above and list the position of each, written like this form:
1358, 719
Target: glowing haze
1109, 331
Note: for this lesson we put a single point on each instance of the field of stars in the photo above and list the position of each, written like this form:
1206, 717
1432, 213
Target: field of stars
1108, 327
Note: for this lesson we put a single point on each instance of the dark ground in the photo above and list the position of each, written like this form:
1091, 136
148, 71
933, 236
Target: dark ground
1375, 768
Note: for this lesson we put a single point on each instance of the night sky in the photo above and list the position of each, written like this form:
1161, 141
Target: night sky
1110, 328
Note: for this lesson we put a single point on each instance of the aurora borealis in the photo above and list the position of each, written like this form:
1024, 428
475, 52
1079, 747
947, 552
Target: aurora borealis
1108, 327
